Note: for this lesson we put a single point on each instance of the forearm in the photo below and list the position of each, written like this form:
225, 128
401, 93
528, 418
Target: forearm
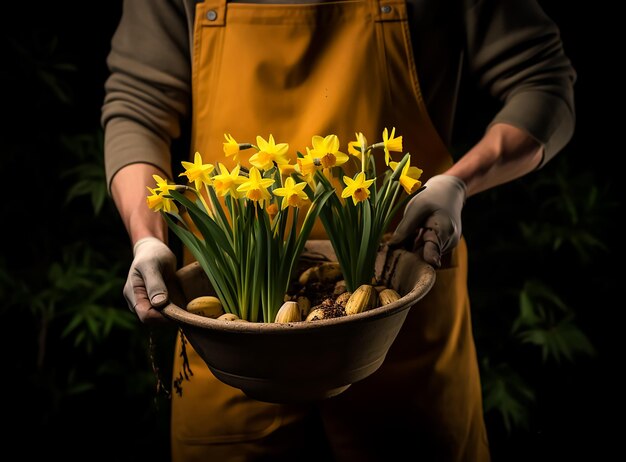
129, 192
502, 155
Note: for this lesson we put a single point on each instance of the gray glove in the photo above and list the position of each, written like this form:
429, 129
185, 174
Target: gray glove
432, 219
145, 289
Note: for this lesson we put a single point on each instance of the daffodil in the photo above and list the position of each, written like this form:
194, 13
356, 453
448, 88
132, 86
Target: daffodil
327, 151
197, 172
409, 178
288, 169
156, 201
391, 143
162, 184
360, 142
248, 251
256, 187
362, 151
357, 188
231, 147
292, 193
307, 165
269, 153
228, 182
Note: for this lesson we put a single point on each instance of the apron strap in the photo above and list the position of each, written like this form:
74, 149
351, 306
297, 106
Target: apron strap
214, 13
382, 11
388, 10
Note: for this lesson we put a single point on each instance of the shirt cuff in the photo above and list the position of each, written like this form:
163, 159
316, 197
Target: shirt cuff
128, 142
545, 117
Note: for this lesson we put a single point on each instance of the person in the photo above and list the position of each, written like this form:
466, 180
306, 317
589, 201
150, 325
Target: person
297, 69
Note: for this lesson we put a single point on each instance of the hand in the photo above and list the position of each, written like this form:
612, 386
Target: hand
145, 289
432, 219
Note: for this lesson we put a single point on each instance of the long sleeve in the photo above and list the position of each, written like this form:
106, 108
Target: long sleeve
148, 90
515, 52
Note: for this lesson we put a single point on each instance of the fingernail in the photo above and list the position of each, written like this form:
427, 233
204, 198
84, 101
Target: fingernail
158, 299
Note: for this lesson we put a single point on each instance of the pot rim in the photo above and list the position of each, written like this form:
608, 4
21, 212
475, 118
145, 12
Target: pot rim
422, 286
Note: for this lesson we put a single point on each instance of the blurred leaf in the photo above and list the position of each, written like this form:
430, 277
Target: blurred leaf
546, 321
563, 340
506, 393
75, 321
88, 177
79, 388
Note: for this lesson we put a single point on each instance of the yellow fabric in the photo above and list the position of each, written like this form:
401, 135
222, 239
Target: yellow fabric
295, 71
301, 70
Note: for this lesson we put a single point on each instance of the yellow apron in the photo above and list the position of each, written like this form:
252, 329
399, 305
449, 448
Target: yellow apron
294, 71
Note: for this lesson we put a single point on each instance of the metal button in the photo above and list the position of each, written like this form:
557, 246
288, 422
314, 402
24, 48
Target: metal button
385, 9
211, 15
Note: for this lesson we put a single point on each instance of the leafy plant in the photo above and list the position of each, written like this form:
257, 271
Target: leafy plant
524, 261
356, 220
248, 242
545, 321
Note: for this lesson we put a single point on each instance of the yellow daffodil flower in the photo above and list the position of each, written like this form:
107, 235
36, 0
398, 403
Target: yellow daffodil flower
162, 185
231, 147
308, 164
228, 182
256, 187
269, 153
409, 178
197, 172
292, 193
357, 188
391, 143
287, 169
157, 202
308, 177
360, 142
327, 151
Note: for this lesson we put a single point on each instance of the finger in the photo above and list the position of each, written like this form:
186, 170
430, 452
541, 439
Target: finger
411, 221
156, 289
145, 311
441, 223
432, 239
431, 254
150, 315
129, 294
404, 232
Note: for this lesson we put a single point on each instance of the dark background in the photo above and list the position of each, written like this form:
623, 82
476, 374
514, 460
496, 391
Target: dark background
546, 263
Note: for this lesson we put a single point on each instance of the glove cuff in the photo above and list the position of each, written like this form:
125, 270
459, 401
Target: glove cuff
146, 241
450, 181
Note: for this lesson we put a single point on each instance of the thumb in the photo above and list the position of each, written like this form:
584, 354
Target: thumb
155, 286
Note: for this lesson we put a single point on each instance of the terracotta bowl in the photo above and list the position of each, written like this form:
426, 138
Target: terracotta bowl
302, 361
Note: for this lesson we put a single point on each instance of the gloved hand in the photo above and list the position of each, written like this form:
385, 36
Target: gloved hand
145, 289
432, 219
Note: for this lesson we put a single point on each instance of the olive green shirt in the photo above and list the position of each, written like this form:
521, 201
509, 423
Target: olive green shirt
510, 48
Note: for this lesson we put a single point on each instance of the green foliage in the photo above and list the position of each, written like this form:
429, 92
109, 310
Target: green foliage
569, 215
248, 258
506, 393
534, 240
87, 177
545, 321
75, 353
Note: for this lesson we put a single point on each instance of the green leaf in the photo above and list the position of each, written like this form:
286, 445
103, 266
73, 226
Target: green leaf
506, 393
564, 340
75, 321
366, 248
207, 226
79, 388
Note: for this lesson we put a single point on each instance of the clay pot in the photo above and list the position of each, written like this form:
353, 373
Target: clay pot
300, 361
